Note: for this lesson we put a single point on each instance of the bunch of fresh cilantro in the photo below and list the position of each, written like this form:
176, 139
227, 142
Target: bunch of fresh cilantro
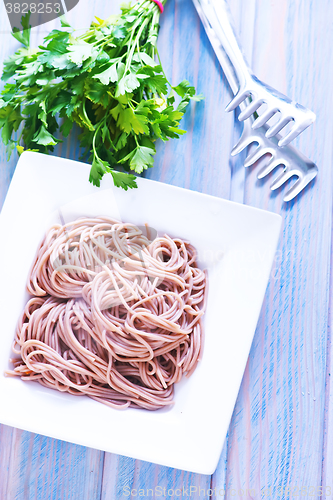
107, 81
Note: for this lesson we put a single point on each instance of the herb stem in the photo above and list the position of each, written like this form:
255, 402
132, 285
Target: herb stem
84, 111
137, 38
94, 139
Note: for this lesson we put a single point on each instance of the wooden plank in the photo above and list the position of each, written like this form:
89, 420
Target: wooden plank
275, 443
199, 161
125, 478
34, 466
327, 463
243, 16
6, 439
39, 467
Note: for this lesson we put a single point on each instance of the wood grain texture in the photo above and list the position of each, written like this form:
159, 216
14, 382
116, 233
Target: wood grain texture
276, 437
123, 475
38, 467
327, 463
281, 431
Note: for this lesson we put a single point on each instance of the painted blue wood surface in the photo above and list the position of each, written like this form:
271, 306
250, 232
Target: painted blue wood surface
280, 440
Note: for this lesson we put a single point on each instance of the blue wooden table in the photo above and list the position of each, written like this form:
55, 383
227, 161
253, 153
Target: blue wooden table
280, 440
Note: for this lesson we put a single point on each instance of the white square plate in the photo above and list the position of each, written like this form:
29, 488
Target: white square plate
236, 244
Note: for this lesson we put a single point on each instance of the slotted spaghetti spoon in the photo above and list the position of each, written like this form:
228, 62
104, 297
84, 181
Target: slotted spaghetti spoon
293, 162
216, 13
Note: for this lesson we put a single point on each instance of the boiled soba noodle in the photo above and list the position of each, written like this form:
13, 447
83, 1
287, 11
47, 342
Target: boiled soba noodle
114, 315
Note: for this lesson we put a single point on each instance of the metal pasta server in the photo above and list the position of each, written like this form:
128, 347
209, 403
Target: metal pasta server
214, 16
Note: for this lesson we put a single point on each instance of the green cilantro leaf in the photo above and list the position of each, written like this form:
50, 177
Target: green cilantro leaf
140, 159
44, 138
60, 102
183, 88
129, 121
97, 92
108, 75
128, 83
97, 171
64, 23
124, 180
79, 51
24, 35
143, 57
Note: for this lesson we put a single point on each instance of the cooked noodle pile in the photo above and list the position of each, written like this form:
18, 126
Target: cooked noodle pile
113, 316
